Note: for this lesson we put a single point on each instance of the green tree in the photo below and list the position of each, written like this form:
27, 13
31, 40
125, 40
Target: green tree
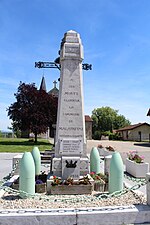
34, 110
106, 119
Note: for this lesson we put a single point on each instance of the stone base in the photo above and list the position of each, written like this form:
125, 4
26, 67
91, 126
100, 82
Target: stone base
71, 189
15, 163
98, 186
40, 188
57, 166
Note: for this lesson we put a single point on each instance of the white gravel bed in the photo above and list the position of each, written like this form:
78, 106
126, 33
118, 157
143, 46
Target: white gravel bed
12, 201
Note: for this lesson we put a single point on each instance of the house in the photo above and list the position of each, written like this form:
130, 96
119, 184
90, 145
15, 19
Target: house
136, 132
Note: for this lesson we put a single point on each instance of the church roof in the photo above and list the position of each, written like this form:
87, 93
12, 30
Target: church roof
54, 91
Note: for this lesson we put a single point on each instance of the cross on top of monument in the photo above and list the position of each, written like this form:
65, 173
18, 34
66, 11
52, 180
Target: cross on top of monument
55, 82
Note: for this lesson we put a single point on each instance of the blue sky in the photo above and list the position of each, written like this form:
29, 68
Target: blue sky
116, 39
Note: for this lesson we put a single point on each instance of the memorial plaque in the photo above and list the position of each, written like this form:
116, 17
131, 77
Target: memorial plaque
71, 146
71, 167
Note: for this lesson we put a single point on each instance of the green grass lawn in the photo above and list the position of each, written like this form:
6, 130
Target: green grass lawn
22, 145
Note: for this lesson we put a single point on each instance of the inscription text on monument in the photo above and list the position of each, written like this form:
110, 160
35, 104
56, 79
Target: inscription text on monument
71, 146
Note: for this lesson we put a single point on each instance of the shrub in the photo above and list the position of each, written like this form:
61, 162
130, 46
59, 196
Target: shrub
97, 135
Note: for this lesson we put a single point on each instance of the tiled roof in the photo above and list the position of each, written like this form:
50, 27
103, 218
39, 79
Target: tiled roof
131, 127
54, 92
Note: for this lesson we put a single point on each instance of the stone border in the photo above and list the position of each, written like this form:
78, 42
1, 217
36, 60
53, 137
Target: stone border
117, 215
89, 216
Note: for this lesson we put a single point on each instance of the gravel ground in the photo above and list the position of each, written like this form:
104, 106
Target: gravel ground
12, 201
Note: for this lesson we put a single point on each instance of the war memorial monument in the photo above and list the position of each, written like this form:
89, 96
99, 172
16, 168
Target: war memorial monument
70, 147
71, 160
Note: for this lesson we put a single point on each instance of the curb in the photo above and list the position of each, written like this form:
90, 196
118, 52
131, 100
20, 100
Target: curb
80, 216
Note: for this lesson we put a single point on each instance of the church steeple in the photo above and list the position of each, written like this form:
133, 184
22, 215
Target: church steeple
43, 84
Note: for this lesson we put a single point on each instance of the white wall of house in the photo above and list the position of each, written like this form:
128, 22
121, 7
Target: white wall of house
135, 134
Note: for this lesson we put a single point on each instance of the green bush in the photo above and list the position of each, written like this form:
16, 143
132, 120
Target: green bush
97, 135
114, 136
106, 133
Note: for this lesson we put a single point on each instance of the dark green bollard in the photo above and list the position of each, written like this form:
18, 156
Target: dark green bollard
116, 173
27, 175
37, 160
94, 160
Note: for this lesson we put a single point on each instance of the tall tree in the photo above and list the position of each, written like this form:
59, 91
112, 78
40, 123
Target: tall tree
107, 119
34, 110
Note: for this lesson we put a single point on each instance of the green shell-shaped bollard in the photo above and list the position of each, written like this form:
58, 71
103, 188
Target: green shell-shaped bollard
37, 160
116, 173
27, 175
94, 160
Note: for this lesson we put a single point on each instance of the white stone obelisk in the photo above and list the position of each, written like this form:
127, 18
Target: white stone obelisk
70, 129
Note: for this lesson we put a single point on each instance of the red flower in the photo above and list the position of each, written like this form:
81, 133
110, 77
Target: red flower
92, 173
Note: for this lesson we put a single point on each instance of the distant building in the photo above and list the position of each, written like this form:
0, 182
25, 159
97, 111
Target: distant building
88, 127
54, 91
148, 114
43, 84
136, 132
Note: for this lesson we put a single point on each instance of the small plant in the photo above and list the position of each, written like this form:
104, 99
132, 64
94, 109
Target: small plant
99, 177
56, 181
134, 156
39, 182
110, 148
100, 146
41, 177
84, 180
69, 181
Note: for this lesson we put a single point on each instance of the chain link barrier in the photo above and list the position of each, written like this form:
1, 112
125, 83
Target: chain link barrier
81, 198
139, 182
133, 178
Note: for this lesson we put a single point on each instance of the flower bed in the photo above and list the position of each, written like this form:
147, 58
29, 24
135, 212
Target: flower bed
71, 187
100, 182
138, 170
135, 165
40, 183
105, 151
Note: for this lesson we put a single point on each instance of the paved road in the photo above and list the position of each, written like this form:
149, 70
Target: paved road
6, 163
122, 147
